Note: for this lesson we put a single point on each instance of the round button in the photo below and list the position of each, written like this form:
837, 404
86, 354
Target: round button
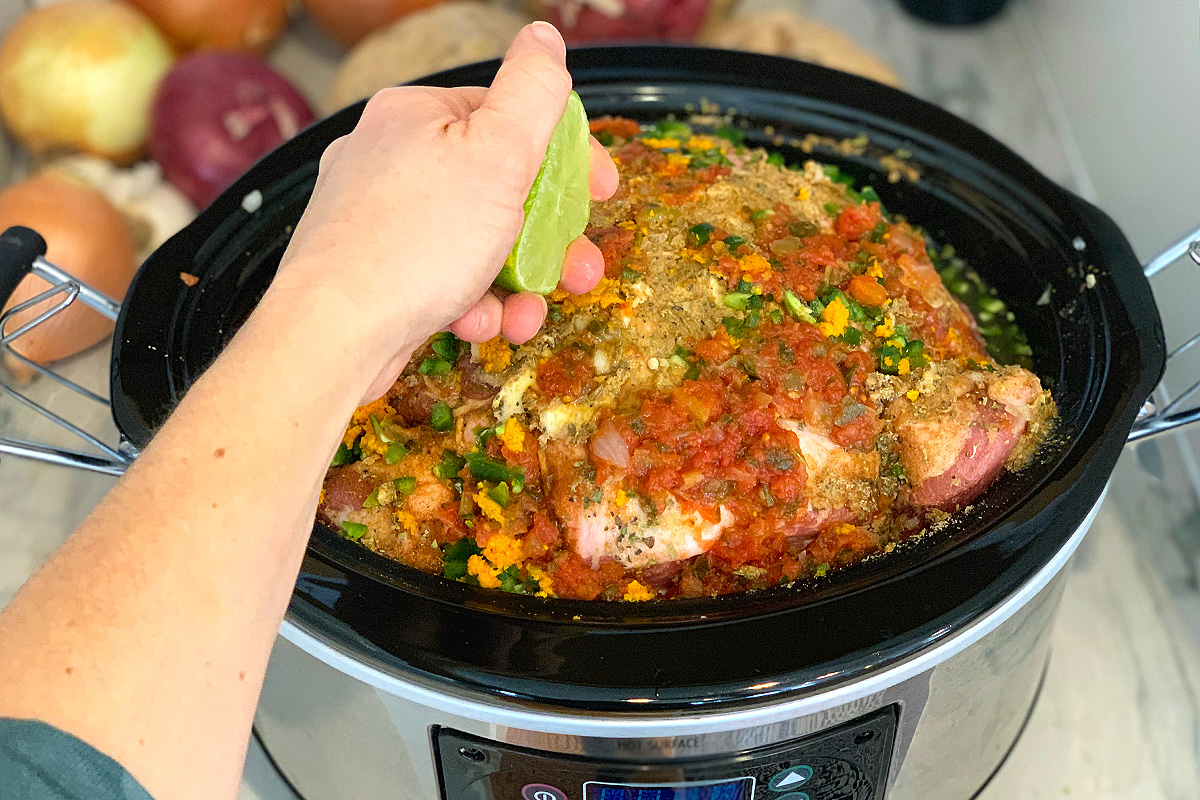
790, 778
541, 791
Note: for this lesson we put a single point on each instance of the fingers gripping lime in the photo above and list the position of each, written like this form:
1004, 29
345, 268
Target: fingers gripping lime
556, 209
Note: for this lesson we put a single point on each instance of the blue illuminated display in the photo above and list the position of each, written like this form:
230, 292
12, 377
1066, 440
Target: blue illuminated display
739, 789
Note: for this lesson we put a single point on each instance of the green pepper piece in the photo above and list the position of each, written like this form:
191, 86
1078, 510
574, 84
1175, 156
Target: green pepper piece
737, 300
342, 457
353, 530
405, 485
500, 494
434, 367
441, 417
456, 556
450, 465
395, 452
379, 431
698, 235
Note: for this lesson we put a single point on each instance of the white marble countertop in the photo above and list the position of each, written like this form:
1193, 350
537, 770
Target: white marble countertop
1119, 715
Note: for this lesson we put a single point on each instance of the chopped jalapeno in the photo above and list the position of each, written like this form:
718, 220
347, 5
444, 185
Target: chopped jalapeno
698, 235
737, 300
868, 193
734, 327
456, 556
353, 530
378, 427
500, 494
447, 346
405, 485
832, 209
342, 457
760, 214
777, 159
878, 232
604, 137
795, 306
733, 242
372, 500
395, 452
630, 275
441, 417
450, 465
677, 361
489, 469
435, 367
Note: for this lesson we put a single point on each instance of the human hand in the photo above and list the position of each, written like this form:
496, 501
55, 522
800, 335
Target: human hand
415, 211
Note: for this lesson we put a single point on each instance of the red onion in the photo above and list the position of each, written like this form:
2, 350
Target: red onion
607, 445
596, 20
215, 114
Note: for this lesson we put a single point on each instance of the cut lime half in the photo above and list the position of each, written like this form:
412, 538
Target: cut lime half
556, 210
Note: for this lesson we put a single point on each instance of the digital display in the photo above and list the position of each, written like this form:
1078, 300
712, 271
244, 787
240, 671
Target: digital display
737, 789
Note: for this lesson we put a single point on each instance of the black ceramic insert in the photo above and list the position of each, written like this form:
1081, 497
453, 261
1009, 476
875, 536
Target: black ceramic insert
1100, 349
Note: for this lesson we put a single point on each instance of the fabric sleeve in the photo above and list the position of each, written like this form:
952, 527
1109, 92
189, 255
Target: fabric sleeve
40, 762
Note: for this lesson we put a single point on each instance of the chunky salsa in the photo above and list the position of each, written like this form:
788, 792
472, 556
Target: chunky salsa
771, 381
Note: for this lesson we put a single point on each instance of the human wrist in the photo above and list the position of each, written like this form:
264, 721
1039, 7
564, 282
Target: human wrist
326, 333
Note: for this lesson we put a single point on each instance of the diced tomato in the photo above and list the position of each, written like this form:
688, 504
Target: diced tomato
621, 127
856, 221
573, 578
614, 244
566, 375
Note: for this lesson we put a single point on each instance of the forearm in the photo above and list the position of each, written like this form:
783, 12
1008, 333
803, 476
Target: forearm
148, 633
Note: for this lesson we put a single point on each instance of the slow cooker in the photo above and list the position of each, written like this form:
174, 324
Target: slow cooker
906, 676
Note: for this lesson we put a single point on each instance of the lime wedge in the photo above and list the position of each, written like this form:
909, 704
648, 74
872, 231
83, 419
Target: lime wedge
556, 210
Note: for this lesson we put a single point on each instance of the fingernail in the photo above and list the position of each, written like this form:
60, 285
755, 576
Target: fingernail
549, 36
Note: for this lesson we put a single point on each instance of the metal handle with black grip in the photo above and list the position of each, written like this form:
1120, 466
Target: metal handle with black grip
20, 247
22, 252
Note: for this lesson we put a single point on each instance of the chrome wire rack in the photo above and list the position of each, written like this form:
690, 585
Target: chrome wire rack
64, 290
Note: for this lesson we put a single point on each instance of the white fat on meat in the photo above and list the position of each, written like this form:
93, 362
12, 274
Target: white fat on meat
628, 536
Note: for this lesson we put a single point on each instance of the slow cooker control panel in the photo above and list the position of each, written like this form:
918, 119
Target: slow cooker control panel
849, 762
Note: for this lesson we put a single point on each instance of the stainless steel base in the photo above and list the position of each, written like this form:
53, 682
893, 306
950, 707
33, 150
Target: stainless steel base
338, 728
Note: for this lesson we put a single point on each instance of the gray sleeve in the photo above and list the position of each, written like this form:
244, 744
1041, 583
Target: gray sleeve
40, 762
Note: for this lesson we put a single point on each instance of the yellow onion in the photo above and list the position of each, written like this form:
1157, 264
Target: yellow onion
80, 75
251, 26
86, 236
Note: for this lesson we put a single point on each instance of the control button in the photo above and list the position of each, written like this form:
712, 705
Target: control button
540, 791
793, 796
790, 778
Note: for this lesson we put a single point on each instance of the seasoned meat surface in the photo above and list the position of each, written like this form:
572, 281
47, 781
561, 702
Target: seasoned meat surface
770, 382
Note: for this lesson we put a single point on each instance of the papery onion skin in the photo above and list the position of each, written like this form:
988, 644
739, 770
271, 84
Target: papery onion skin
87, 237
583, 21
215, 114
350, 21
250, 26
609, 446
80, 75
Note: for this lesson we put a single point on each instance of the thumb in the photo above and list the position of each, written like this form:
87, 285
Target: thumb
530, 90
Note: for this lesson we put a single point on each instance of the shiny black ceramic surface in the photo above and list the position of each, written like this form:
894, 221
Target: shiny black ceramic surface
1100, 349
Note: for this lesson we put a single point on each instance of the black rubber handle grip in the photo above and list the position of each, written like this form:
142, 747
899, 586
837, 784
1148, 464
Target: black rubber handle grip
19, 248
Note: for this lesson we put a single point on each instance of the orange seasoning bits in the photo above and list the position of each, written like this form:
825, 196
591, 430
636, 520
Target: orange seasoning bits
636, 592
495, 355
834, 318
867, 291
755, 268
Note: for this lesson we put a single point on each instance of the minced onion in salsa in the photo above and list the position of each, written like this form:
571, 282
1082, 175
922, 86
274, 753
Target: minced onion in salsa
771, 381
